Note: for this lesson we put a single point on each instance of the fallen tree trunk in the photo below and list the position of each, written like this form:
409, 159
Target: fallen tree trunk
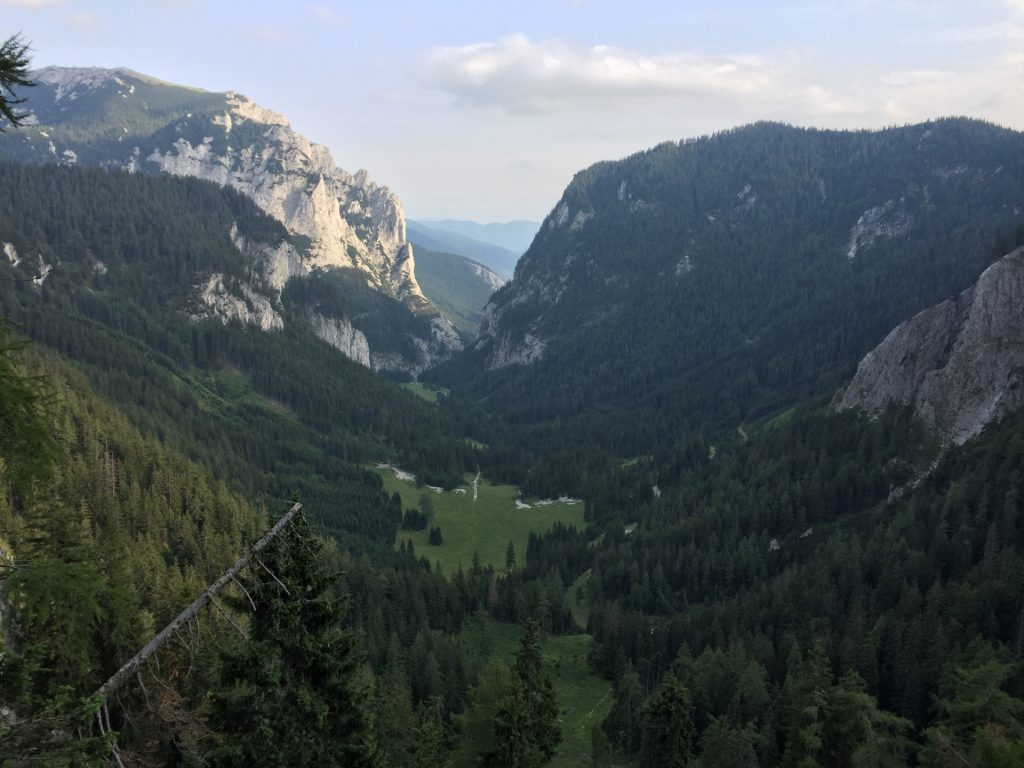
132, 665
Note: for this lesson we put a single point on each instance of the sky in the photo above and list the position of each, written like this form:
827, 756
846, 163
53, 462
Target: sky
485, 110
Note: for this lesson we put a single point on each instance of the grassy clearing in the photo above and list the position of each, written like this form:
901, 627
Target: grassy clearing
214, 390
485, 525
580, 610
775, 421
430, 395
583, 697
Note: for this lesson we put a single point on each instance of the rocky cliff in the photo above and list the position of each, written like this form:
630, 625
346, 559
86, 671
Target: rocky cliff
960, 364
122, 119
350, 221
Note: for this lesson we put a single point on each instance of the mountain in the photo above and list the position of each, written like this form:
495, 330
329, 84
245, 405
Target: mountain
830, 588
711, 283
960, 364
458, 286
119, 119
514, 236
162, 290
501, 260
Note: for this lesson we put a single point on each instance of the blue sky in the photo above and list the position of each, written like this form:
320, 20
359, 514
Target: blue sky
484, 110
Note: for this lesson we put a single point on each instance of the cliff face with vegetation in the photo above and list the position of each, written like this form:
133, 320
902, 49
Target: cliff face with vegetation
120, 119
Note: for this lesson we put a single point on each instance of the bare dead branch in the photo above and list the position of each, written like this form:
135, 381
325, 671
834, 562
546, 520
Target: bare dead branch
273, 576
231, 621
240, 586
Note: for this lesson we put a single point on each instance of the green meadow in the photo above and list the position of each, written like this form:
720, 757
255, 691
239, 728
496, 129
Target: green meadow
485, 524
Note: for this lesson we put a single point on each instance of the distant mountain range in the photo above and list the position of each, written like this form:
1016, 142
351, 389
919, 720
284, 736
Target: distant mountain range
514, 236
496, 257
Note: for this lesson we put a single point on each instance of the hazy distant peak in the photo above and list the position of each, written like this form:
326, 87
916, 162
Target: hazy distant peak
514, 236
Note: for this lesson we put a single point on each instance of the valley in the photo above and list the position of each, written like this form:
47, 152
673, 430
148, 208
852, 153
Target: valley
717, 466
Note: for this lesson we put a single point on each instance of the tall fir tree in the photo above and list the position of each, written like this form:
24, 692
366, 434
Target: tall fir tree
293, 694
539, 694
522, 723
668, 730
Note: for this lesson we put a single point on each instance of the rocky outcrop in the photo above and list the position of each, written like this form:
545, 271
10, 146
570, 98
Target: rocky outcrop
241, 304
341, 335
349, 220
887, 220
960, 364
488, 277
275, 264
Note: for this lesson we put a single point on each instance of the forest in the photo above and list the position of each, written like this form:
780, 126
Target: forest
810, 589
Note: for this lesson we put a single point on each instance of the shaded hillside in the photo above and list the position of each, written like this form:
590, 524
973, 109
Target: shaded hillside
698, 286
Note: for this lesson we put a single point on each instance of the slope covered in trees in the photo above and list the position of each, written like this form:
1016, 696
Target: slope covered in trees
698, 286
272, 413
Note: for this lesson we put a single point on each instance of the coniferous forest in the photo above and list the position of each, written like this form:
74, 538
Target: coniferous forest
755, 578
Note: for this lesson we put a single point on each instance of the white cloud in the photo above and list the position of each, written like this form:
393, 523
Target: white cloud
84, 21
822, 102
989, 92
327, 15
522, 76
560, 80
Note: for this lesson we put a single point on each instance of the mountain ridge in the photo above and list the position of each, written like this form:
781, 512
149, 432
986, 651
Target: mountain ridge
118, 119
494, 257
515, 235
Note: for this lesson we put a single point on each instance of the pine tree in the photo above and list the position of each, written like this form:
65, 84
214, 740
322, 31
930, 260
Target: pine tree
512, 739
725, 746
980, 724
292, 694
623, 721
668, 730
27, 447
516, 725
431, 750
14, 63
539, 694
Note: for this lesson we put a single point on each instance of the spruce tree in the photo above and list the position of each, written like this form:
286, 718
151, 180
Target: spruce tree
538, 693
292, 694
517, 727
668, 729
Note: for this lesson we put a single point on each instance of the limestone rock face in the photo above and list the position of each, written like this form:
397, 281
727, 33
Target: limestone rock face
349, 220
242, 304
341, 335
959, 364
